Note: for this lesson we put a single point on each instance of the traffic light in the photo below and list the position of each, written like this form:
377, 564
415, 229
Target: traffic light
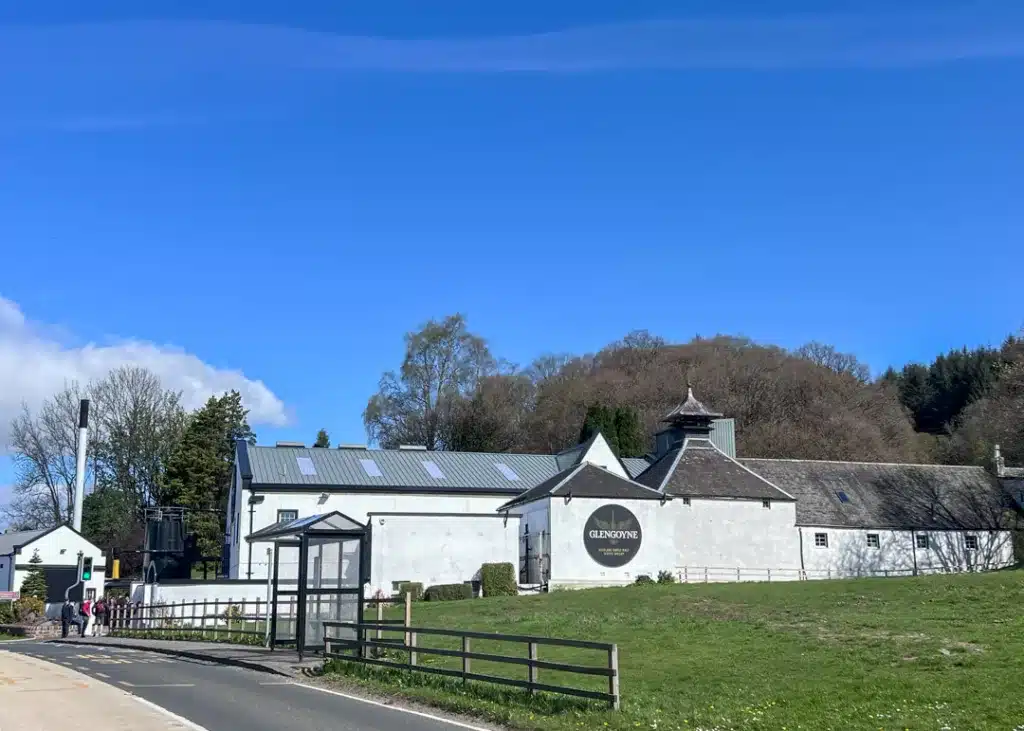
86, 569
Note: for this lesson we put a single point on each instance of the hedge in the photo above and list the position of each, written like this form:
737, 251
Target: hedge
412, 587
448, 592
499, 579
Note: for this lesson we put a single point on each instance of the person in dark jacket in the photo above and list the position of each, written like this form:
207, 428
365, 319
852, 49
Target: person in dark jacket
67, 617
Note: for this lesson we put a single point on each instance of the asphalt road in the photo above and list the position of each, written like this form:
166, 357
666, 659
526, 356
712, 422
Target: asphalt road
220, 698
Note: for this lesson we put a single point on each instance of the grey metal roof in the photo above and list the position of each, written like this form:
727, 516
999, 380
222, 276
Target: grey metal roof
398, 468
699, 469
311, 524
586, 480
635, 465
907, 496
8, 541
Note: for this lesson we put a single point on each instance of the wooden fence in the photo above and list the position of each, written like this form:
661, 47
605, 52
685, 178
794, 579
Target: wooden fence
360, 648
212, 620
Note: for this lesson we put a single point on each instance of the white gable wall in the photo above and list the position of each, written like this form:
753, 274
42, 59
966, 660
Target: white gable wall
848, 553
601, 454
59, 547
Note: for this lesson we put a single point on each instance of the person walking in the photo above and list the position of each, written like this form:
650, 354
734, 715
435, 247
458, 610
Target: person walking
67, 618
86, 612
100, 610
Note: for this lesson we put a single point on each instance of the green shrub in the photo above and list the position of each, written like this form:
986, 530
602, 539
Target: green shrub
29, 610
499, 579
412, 587
448, 592
6, 613
644, 580
666, 577
34, 583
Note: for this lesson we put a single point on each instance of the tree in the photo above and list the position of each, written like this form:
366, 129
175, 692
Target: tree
443, 364
322, 440
828, 357
495, 418
43, 449
112, 521
629, 433
138, 424
600, 419
198, 475
34, 583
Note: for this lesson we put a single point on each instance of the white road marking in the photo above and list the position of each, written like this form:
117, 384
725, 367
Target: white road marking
126, 684
411, 712
103, 675
283, 682
174, 716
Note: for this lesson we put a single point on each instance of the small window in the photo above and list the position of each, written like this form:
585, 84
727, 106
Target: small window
507, 471
843, 497
686, 501
370, 468
284, 516
971, 543
766, 504
873, 541
922, 540
306, 466
821, 540
432, 469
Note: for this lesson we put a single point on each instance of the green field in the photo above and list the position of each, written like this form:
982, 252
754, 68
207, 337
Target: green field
940, 652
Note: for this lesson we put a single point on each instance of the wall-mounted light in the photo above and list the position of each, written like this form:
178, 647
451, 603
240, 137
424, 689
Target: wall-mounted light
323, 498
256, 499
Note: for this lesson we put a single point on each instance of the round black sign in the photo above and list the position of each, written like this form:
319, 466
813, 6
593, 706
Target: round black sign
612, 536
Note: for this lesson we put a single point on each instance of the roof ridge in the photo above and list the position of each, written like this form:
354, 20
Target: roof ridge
619, 477
877, 464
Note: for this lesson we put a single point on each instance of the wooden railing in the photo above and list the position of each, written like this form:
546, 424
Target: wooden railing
360, 648
207, 620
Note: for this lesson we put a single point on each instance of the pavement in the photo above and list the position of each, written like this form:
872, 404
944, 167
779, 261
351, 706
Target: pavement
35, 695
205, 694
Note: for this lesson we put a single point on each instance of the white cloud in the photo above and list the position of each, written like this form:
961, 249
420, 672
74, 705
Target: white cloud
36, 361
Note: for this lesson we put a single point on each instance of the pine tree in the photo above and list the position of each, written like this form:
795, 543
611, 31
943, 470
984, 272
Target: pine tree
600, 419
629, 432
322, 440
34, 584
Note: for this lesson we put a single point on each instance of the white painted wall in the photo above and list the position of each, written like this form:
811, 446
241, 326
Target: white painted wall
601, 454
848, 552
357, 506
438, 549
59, 547
736, 533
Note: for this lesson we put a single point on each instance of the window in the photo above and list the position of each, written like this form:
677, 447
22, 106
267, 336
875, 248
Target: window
873, 541
370, 468
971, 543
306, 466
766, 504
504, 469
821, 540
922, 540
287, 515
686, 501
843, 497
433, 470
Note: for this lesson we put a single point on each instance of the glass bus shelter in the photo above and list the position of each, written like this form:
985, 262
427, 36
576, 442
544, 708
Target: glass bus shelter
321, 564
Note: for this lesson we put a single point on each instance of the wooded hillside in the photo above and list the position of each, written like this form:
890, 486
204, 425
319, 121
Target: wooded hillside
451, 392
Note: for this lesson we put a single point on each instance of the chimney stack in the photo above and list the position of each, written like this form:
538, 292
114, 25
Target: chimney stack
83, 439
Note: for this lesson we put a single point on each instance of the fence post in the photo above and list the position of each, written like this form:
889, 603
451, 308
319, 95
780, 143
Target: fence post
202, 620
737, 573
705, 574
408, 616
412, 650
244, 618
216, 617
769, 576
532, 680
686, 574
380, 619
613, 679
465, 660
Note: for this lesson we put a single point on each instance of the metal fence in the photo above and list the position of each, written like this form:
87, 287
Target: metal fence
405, 653
206, 620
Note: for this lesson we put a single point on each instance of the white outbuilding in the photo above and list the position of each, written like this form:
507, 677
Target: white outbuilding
57, 550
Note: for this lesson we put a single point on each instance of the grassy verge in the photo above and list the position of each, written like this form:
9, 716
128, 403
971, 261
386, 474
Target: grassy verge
939, 652
4, 638
192, 636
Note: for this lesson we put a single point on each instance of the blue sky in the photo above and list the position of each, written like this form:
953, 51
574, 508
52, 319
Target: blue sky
267, 196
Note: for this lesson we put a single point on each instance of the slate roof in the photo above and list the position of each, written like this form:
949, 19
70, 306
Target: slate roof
690, 407
635, 465
586, 480
903, 496
700, 469
8, 541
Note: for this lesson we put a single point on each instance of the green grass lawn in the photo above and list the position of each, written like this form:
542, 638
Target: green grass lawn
939, 652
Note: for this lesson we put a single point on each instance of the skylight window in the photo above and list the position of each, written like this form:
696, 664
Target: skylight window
433, 470
843, 497
507, 471
306, 466
370, 468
